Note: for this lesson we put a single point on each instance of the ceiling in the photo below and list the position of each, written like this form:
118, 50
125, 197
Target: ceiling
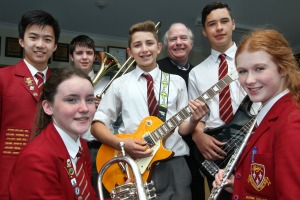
116, 16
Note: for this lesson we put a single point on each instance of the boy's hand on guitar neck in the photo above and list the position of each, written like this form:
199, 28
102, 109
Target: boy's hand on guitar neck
207, 145
198, 109
137, 148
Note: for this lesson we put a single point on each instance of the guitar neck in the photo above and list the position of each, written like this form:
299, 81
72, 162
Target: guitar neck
217, 88
237, 139
183, 114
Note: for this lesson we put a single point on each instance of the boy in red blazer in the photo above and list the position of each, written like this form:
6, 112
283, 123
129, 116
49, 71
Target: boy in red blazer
20, 90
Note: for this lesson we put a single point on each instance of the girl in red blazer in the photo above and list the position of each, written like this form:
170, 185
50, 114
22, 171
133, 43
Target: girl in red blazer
269, 165
48, 167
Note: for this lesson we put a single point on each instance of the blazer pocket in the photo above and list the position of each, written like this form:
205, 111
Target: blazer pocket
261, 176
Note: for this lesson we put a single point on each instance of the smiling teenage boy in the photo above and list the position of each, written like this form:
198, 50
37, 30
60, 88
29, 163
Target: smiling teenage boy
128, 95
20, 89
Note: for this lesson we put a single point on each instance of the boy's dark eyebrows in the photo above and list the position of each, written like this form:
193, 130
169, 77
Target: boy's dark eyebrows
227, 18
211, 21
32, 33
150, 40
214, 20
136, 42
46, 36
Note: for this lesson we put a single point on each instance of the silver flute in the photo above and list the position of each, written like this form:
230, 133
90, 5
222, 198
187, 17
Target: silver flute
215, 192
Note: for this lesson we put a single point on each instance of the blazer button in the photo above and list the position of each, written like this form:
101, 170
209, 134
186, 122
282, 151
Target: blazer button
235, 197
238, 175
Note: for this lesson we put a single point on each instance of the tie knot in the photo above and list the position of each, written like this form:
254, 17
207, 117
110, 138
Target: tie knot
80, 153
148, 77
222, 57
39, 76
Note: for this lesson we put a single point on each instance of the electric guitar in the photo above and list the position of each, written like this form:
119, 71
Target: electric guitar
152, 130
232, 133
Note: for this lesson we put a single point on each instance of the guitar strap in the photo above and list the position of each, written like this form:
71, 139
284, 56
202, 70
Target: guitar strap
163, 96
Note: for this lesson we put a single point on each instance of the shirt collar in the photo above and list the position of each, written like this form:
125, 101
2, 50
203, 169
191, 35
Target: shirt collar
230, 53
154, 73
265, 109
71, 145
92, 74
33, 70
183, 68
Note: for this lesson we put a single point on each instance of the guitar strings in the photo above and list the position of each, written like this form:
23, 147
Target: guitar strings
234, 141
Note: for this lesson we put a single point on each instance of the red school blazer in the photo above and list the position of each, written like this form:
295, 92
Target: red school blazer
272, 170
41, 170
19, 96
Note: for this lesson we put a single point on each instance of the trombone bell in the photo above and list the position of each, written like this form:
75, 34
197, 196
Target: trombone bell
107, 64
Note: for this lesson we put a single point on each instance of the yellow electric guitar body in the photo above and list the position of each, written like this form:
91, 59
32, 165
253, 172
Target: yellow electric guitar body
114, 174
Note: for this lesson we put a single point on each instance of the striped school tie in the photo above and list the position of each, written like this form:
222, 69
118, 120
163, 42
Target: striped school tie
83, 192
152, 102
40, 78
226, 111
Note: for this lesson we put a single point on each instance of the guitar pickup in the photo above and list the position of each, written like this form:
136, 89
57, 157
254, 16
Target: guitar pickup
149, 140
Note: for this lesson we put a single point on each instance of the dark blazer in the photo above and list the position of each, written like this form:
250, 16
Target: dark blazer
18, 100
167, 66
273, 172
40, 170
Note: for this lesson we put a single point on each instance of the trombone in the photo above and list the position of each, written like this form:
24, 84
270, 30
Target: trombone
108, 62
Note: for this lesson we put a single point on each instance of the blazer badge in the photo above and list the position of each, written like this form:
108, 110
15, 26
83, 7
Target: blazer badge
28, 81
257, 177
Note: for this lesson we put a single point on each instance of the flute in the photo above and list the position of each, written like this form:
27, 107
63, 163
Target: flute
215, 192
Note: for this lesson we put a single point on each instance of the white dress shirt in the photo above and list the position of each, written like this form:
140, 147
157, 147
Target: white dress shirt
33, 71
128, 94
71, 145
203, 76
98, 88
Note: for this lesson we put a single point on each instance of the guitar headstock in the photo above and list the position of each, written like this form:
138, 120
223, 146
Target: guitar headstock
233, 75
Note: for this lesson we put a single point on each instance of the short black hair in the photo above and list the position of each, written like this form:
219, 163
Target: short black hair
40, 18
213, 6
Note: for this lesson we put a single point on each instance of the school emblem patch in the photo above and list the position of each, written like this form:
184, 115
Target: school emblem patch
257, 177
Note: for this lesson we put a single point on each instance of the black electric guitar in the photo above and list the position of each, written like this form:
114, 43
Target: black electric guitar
232, 133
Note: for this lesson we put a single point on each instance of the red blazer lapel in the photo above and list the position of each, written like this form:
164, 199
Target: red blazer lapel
48, 73
262, 128
56, 141
62, 153
27, 80
65, 163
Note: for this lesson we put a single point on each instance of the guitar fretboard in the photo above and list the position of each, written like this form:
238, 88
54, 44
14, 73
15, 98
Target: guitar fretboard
237, 139
183, 114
